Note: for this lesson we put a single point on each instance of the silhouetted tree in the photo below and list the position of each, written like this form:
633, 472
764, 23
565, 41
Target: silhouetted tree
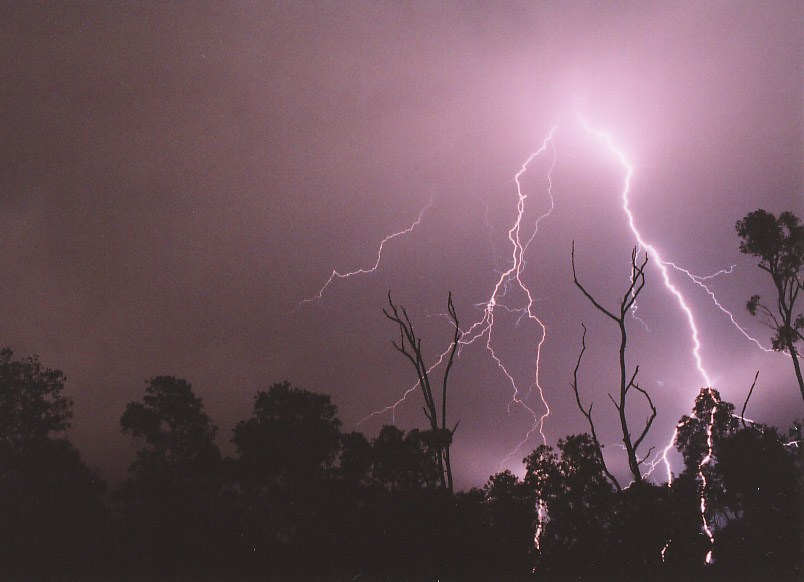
410, 345
405, 515
511, 519
292, 437
354, 463
577, 497
764, 496
404, 462
587, 412
778, 243
286, 469
32, 405
699, 437
626, 383
51, 513
172, 423
170, 500
711, 417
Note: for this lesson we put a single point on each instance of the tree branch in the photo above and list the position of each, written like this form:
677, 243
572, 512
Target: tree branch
585, 292
588, 413
455, 339
649, 422
637, 283
747, 398
411, 347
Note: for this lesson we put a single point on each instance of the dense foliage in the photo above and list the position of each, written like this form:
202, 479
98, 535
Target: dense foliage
304, 500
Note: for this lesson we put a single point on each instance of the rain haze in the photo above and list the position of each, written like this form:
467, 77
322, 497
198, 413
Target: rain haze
178, 178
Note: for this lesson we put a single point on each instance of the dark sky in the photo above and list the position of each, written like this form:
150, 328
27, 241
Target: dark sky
176, 178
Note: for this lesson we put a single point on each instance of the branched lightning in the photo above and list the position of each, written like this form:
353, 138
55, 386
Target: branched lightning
696, 351
663, 266
698, 280
510, 280
363, 271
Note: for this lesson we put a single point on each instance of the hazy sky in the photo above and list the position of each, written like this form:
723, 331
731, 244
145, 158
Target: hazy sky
176, 178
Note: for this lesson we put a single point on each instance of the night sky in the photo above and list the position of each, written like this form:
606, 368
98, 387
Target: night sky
176, 178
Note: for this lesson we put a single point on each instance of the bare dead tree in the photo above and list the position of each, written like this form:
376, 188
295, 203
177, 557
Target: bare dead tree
410, 346
626, 382
747, 398
587, 412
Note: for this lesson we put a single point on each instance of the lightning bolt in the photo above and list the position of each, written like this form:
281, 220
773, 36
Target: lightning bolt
705, 461
364, 271
663, 266
513, 275
510, 279
699, 280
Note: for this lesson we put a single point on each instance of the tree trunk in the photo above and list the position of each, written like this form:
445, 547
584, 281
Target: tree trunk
796, 366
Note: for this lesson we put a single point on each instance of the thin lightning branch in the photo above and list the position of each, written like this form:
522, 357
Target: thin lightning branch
698, 280
336, 275
392, 407
513, 274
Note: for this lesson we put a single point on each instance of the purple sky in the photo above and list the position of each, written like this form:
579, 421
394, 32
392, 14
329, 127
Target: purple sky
177, 177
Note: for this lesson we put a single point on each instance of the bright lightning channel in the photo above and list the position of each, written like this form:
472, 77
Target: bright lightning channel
705, 461
511, 277
663, 267
698, 280
484, 327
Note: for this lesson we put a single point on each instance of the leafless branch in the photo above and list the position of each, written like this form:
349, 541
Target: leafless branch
585, 292
410, 345
650, 420
637, 283
747, 398
647, 455
588, 412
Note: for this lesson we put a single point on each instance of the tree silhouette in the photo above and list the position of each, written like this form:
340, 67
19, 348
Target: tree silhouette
172, 422
32, 405
779, 245
710, 415
354, 463
169, 503
764, 496
699, 437
410, 345
578, 497
511, 519
292, 437
50, 502
405, 462
285, 469
587, 412
626, 383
